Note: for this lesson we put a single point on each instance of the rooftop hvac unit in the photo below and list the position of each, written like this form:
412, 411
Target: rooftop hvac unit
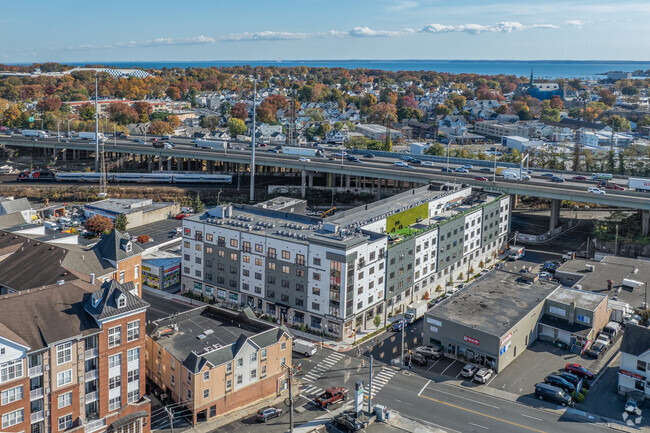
589, 268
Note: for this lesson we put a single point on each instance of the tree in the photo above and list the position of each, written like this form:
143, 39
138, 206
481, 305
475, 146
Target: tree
442, 110
436, 149
121, 113
160, 128
550, 114
49, 104
265, 113
377, 320
618, 123
144, 110
198, 205
383, 113
209, 122
87, 112
174, 120
607, 97
99, 224
456, 101
236, 127
630, 91
173, 92
121, 222
239, 111
323, 129
556, 102
11, 116
224, 108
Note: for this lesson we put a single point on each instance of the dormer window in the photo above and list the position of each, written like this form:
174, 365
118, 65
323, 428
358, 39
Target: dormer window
128, 247
121, 302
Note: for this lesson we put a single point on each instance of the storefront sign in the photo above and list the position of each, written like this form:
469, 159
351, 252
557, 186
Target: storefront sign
506, 339
433, 329
145, 268
505, 348
172, 269
471, 340
630, 374
434, 321
584, 319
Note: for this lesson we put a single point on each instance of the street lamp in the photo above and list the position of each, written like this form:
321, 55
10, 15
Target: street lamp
69, 120
448, 144
494, 174
58, 135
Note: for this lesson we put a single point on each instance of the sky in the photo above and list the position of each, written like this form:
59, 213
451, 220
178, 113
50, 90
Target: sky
163, 30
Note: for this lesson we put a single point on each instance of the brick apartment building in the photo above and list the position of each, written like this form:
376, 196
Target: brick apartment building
70, 359
214, 361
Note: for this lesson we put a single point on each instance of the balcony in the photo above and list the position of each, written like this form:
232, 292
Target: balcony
92, 426
91, 353
35, 394
35, 371
91, 375
92, 396
37, 416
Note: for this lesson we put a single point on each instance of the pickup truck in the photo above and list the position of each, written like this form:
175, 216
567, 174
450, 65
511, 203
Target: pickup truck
332, 395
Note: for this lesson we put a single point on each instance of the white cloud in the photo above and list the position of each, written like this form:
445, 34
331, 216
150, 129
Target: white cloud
262, 36
574, 23
475, 29
159, 42
402, 5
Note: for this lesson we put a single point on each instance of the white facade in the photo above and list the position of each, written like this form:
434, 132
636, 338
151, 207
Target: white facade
633, 373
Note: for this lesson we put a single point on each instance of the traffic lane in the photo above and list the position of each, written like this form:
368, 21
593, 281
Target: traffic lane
386, 347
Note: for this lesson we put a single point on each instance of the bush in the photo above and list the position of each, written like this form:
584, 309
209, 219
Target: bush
481, 264
460, 276
438, 288
426, 296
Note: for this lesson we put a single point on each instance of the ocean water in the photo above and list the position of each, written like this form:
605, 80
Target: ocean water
541, 68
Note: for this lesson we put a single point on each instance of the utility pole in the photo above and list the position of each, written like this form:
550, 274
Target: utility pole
290, 372
170, 414
645, 303
448, 144
370, 382
403, 326
96, 124
616, 241
252, 193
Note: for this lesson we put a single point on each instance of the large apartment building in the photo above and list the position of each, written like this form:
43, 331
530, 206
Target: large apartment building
71, 355
335, 274
213, 361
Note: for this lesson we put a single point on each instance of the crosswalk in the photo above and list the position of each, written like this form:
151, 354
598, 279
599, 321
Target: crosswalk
379, 381
316, 372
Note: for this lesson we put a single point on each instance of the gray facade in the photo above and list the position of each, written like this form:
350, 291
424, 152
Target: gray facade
221, 266
286, 283
450, 242
490, 227
400, 269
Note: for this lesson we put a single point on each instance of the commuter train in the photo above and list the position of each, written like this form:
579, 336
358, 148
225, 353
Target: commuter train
159, 177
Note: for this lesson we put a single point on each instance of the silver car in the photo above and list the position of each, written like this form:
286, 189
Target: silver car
483, 375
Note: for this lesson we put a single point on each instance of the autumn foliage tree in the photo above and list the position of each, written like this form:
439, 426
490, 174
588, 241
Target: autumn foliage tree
87, 111
159, 127
239, 111
121, 113
144, 110
99, 224
49, 104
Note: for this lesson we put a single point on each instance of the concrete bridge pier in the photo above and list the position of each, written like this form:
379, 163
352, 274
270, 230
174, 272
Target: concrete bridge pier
556, 204
169, 164
303, 183
211, 167
645, 222
149, 164
311, 179
347, 180
514, 198
160, 163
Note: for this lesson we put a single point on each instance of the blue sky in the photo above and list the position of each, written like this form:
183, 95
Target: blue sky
157, 30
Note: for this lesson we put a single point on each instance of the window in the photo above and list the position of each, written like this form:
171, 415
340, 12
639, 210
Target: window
258, 262
259, 248
173, 381
316, 261
114, 382
283, 346
315, 306
315, 291
300, 273
132, 396
209, 237
221, 253
286, 255
121, 277
11, 395
187, 232
63, 353
133, 354
228, 384
114, 336
65, 400
240, 362
254, 373
316, 276
64, 378
189, 377
263, 372
114, 403
206, 393
263, 354
133, 331
206, 375
283, 362
198, 247
65, 422
285, 269
136, 271
115, 360
254, 357
272, 254
246, 259
641, 365
271, 266
197, 260
13, 418
285, 283
240, 379
300, 259
189, 394
186, 244
233, 256
132, 376
246, 272
229, 367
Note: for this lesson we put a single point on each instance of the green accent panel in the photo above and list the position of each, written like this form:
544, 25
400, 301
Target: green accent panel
406, 218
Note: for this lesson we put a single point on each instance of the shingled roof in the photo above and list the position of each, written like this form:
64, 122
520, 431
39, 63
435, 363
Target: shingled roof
636, 340
117, 246
104, 303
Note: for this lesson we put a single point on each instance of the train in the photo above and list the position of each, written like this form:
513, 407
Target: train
159, 177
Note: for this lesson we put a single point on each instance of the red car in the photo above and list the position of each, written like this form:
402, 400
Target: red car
331, 396
481, 178
579, 371
180, 216
579, 178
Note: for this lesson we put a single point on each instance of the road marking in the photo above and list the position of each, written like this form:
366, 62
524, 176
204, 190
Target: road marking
483, 414
425, 385
478, 425
443, 371
399, 401
531, 417
494, 377
439, 359
468, 399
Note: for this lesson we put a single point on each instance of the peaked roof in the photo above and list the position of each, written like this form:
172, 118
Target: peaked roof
113, 246
636, 340
103, 303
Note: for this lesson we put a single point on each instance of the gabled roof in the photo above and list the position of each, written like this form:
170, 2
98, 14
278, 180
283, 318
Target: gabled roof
113, 246
103, 304
636, 340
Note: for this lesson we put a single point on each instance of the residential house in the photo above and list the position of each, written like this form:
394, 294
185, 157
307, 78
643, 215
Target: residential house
634, 372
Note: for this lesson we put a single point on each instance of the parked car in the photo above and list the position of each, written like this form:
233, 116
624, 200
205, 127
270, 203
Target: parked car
469, 371
595, 191
551, 265
417, 359
579, 371
483, 375
557, 179
398, 325
461, 170
268, 412
434, 352
481, 178
571, 378
544, 391
596, 350
347, 423
560, 382
331, 396
632, 406
180, 216
579, 178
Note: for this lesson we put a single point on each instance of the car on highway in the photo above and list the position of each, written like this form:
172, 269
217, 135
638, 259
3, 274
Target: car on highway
351, 157
483, 375
469, 370
398, 325
467, 166
481, 178
416, 162
401, 164
579, 371
547, 175
613, 186
303, 159
427, 163
332, 395
406, 158
368, 155
342, 153
579, 178
267, 412
347, 423
153, 140
461, 170
138, 141
434, 352
596, 191
168, 146
632, 406
560, 382
557, 179
486, 169
447, 170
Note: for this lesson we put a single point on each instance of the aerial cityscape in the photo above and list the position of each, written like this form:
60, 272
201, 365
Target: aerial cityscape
381, 217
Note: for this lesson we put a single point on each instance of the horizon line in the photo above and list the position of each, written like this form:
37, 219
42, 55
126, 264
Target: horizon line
332, 60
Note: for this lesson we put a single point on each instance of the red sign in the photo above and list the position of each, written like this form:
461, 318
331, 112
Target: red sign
506, 339
630, 374
471, 340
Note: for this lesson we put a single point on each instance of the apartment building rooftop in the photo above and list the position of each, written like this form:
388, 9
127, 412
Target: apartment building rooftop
211, 334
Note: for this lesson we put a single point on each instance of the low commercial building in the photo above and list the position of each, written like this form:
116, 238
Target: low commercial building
495, 129
495, 318
138, 211
71, 358
633, 376
161, 270
378, 132
610, 273
214, 361
520, 144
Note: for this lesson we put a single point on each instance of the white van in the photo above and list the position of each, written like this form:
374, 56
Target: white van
51, 225
304, 347
65, 221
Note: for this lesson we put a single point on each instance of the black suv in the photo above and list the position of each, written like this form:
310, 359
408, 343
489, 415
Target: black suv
347, 423
562, 383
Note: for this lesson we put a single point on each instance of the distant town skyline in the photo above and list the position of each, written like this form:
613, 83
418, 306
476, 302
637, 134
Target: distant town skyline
42, 30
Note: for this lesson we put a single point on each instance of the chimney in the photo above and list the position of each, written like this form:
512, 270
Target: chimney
92, 278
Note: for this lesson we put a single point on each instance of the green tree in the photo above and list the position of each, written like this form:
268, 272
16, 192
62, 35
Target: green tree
323, 129
436, 149
121, 222
197, 204
236, 127
87, 111
377, 320
618, 123
224, 108
550, 114
442, 110
209, 122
